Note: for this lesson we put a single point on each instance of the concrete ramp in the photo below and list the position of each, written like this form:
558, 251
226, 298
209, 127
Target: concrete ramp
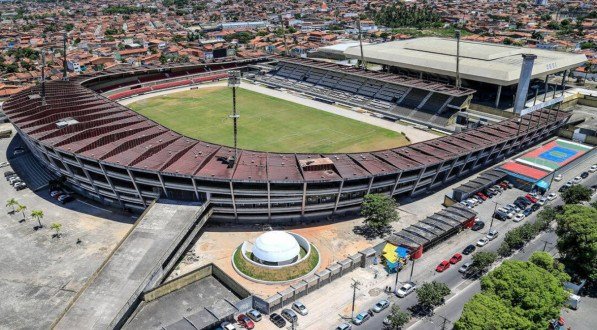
139, 263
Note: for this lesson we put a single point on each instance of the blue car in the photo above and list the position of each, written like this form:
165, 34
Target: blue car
527, 212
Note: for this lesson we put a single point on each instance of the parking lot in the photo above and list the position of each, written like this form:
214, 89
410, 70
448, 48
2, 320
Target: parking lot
40, 272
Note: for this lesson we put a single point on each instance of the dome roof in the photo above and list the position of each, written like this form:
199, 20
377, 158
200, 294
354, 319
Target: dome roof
276, 246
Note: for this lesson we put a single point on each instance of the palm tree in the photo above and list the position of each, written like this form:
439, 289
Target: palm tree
38, 214
56, 226
11, 203
22, 208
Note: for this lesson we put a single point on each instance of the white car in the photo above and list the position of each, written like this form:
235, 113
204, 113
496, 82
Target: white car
576, 180
492, 234
483, 241
406, 289
465, 267
4, 164
542, 201
558, 177
593, 168
552, 196
519, 217
380, 306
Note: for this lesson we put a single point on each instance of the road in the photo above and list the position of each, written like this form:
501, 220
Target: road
464, 289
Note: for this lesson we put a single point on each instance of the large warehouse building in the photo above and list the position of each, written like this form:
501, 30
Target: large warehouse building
493, 69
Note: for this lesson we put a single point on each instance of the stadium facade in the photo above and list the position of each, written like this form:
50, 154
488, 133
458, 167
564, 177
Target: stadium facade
112, 154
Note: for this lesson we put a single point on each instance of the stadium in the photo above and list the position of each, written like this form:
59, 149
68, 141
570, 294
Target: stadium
112, 154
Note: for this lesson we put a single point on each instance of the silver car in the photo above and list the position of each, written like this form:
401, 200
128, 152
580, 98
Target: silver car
406, 289
300, 308
381, 305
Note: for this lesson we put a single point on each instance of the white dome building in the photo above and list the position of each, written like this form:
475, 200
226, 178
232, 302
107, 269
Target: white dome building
276, 248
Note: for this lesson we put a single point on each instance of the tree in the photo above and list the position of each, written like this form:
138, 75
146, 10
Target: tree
577, 240
12, 203
38, 215
576, 194
528, 290
482, 260
545, 217
57, 227
398, 318
431, 294
485, 311
379, 210
22, 208
547, 262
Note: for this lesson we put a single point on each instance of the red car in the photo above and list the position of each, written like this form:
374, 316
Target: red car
531, 198
245, 321
442, 266
456, 258
482, 196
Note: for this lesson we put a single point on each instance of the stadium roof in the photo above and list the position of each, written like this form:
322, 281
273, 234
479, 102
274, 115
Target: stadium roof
490, 63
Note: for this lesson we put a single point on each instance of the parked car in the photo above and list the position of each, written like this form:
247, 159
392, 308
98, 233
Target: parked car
55, 193
533, 208
469, 249
245, 321
519, 217
520, 205
465, 267
4, 164
558, 178
361, 318
344, 326
552, 196
531, 198
455, 258
442, 266
9, 173
563, 188
227, 326
278, 320
65, 198
289, 315
523, 200
528, 211
20, 186
381, 305
298, 307
513, 208
254, 315
593, 169
483, 241
500, 215
482, 196
576, 180
492, 234
584, 175
478, 225
542, 201
406, 289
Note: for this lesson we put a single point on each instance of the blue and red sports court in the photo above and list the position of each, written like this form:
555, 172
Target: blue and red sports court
539, 163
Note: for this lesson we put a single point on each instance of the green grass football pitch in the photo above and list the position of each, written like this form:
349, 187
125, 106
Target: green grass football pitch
266, 123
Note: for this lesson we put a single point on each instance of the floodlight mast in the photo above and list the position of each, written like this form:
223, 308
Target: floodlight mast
364, 65
234, 77
43, 76
457, 34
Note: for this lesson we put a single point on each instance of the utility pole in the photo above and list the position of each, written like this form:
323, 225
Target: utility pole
355, 286
364, 65
445, 321
43, 76
412, 270
457, 32
64, 63
493, 215
234, 77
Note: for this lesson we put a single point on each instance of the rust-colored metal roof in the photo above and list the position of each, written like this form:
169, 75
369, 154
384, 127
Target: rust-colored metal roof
104, 130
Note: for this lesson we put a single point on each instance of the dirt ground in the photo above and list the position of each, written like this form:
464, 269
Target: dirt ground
334, 240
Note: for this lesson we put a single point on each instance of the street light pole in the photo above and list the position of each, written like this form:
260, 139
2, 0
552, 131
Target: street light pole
412, 269
355, 286
493, 215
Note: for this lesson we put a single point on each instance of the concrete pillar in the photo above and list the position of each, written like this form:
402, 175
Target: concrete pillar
523, 82
546, 88
499, 94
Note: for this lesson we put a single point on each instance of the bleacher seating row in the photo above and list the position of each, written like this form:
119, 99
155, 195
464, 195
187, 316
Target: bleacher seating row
167, 85
419, 105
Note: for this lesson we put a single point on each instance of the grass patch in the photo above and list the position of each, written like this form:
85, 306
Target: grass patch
277, 275
266, 123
